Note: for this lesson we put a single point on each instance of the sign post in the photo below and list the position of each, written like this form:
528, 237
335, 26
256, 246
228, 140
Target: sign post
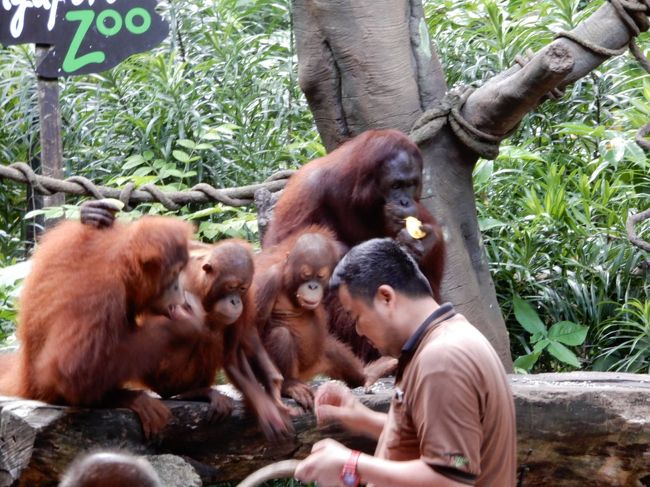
75, 37
50, 121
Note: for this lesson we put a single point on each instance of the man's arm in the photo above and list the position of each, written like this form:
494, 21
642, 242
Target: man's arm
328, 457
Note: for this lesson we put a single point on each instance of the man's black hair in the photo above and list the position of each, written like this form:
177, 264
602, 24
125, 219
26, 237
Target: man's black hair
379, 261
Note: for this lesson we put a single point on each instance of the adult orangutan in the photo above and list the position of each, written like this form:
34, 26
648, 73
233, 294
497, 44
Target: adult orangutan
78, 310
364, 189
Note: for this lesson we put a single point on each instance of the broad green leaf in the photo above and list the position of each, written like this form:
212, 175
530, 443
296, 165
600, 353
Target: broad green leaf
483, 172
636, 154
204, 146
526, 362
536, 337
528, 317
581, 129
488, 223
541, 345
604, 364
206, 212
165, 173
568, 333
188, 144
33, 214
133, 161
142, 171
181, 156
563, 354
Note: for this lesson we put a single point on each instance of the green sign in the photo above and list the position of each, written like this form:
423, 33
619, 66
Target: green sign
85, 36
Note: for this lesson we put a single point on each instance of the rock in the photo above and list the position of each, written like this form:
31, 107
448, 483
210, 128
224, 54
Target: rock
174, 471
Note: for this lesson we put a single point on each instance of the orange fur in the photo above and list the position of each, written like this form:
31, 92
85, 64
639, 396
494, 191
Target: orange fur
78, 309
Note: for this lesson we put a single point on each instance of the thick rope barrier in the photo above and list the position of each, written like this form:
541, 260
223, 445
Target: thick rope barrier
149, 193
447, 111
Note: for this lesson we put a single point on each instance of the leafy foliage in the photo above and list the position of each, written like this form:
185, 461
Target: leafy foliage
554, 340
218, 102
553, 206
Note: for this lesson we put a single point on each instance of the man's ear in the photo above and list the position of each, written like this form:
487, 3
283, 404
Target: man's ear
385, 295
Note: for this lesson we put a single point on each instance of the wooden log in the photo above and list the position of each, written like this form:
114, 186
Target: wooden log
574, 429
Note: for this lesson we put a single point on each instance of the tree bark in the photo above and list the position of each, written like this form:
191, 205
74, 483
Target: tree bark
574, 429
369, 64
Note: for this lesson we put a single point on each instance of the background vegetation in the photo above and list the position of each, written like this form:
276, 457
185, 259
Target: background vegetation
218, 102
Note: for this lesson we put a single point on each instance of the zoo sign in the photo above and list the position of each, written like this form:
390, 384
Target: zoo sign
85, 36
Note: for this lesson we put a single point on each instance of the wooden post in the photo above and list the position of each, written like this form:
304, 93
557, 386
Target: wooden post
50, 119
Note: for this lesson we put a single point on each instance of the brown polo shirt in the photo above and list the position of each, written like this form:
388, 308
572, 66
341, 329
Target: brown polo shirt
453, 406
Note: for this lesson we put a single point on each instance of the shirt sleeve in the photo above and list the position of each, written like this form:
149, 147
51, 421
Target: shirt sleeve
445, 410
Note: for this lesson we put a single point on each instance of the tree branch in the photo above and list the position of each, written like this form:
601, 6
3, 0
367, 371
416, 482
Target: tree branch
499, 105
631, 234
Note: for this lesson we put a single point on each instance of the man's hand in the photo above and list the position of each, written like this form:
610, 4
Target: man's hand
334, 403
324, 465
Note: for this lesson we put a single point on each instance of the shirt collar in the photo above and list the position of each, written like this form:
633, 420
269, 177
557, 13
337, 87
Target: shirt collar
443, 313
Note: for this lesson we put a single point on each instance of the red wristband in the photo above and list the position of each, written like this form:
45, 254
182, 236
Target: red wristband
349, 475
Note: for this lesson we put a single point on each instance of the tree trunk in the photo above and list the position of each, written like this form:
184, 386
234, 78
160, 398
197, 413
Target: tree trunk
574, 430
369, 64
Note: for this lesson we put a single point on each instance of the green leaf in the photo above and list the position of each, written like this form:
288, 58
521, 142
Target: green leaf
528, 317
188, 144
483, 172
143, 171
133, 161
541, 345
526, 362
33, 214
488, 223
204, 146
181, 156
563, 354
568, 333
537, 337
172, 172
205, 212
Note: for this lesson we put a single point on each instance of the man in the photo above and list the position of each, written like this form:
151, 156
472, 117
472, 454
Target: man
451, 421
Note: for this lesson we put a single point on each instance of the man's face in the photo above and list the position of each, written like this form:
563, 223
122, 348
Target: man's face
371, 320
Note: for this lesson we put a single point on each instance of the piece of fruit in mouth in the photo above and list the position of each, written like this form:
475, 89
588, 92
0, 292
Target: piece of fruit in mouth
413, 227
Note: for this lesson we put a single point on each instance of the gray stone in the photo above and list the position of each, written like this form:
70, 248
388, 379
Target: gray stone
174, 471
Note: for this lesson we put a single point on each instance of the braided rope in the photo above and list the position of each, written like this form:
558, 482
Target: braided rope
447, 111
172, 200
